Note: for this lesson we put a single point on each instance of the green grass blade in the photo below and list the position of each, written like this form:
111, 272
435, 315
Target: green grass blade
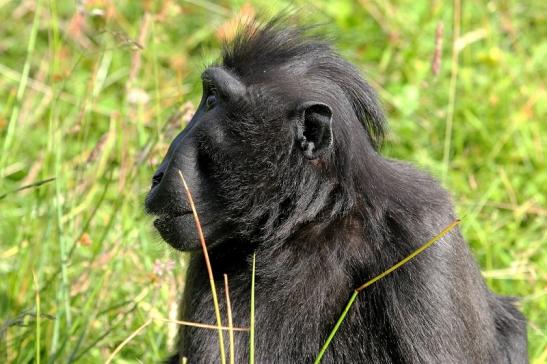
230, 321
336, 327
445, 231
21, 89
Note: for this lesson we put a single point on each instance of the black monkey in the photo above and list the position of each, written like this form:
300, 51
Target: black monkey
282, 160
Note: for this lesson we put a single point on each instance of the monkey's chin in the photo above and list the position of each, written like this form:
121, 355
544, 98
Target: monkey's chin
178, 231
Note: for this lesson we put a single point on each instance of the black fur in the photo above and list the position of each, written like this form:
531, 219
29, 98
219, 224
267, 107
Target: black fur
323, 213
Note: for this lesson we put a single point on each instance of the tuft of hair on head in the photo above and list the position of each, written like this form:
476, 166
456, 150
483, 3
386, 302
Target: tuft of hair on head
259, 46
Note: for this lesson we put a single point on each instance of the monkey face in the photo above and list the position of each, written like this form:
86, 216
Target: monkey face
193, 154
236, 155
243, 154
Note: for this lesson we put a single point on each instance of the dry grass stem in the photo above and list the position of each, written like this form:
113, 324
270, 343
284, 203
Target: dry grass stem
438, 53
209, 269
202, 326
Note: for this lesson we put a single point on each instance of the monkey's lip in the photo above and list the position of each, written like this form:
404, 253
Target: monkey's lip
179, 230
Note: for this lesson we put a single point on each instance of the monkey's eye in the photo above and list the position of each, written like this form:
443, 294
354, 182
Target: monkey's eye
210, 102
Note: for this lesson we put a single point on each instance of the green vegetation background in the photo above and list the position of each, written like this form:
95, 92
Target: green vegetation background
91, 93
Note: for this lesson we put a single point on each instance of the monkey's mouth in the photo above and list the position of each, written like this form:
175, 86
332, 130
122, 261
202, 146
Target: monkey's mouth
179, 230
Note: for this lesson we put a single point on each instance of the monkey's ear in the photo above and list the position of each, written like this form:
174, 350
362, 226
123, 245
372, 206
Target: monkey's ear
314, 130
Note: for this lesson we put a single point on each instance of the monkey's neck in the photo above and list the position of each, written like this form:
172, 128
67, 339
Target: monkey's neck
310, 266
300, 288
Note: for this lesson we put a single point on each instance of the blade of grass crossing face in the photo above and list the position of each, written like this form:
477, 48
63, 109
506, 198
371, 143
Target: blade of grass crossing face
445, 231
252, 324
209, 270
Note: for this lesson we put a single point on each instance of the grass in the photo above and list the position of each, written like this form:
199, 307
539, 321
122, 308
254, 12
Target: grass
230, 321
370, 282
89, 96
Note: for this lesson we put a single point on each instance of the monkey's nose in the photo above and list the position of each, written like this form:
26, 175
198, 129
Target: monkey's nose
156, 179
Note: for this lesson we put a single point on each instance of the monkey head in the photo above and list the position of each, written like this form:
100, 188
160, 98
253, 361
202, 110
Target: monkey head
270, 144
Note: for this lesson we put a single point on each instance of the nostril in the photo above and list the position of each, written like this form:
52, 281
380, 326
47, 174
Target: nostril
157, 179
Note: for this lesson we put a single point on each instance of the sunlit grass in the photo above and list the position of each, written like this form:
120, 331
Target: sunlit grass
89, 96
